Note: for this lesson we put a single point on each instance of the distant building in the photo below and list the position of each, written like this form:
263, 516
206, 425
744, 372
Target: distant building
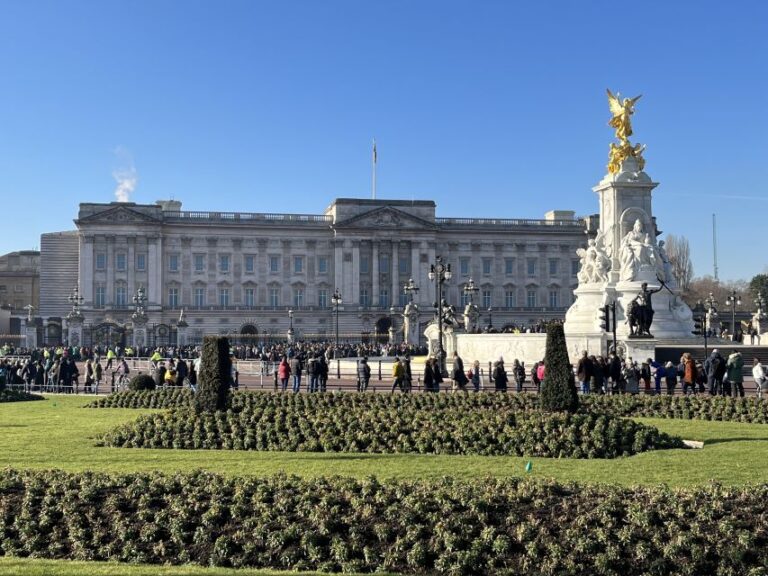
20, 280
239, 273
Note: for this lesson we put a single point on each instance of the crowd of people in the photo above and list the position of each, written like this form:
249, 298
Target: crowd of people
106, 369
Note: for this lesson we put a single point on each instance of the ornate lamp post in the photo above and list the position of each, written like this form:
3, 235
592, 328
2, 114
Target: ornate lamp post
490, 318
139, 317
470, 289
733, 299
471, 315
760, 303
76, 299
440, 272
336, 301
138, 300
290, 326
712, 317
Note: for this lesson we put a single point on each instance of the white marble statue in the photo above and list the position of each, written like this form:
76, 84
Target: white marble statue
470, 317
637, 251
595, 263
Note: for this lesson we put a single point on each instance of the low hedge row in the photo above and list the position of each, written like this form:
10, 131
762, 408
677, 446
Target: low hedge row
160, 398
386, 430
698, 407
506, 526
8, 395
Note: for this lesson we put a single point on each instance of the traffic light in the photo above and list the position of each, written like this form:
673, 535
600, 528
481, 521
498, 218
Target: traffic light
698, 325
604, 318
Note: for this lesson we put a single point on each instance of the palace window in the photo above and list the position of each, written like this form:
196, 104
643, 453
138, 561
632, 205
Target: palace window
322, 265
249, 264
101, 296
486, 298
101, 261
464, 266
199, 262
487, 264
554, 298
173, 262
120, 261
365, 299
173, 297
199, 297
298, 264
274, 297
530, 299
274, 264
224, 264
531, 267
509, 266
509, 299
121, 295
223, 296
554, 266
141, 262
322, 298
250, 298
384, 298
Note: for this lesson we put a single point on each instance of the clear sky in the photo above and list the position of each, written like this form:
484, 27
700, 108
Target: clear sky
490, 108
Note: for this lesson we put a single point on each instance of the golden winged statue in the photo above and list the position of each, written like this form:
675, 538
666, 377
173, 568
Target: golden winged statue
622, 112
621, 121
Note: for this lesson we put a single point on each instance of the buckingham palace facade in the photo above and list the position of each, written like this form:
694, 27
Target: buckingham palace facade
241, 273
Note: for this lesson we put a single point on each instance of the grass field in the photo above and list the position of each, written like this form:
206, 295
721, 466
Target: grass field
59, 433
39, 567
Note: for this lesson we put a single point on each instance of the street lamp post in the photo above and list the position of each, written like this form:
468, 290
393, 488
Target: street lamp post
490, 318
733, 299
711, 305
391, 331
290, 326
76, 299
336, 301
440, 272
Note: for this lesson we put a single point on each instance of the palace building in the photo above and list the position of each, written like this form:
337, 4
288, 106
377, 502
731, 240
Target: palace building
241, 273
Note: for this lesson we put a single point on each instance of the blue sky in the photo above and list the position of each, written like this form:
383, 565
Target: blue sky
491, 108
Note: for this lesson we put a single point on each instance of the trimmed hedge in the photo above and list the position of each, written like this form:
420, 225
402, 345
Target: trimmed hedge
162, 398
8, 395
297, 428
142, 382
213, 380
698, 407
558, 390
490, 526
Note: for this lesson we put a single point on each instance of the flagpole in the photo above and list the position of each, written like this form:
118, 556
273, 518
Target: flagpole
373, 180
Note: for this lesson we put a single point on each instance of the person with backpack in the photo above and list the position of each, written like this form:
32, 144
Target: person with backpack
363, 374
714, 368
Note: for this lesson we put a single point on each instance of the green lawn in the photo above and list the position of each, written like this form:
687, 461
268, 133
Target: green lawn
38, 567
59, 433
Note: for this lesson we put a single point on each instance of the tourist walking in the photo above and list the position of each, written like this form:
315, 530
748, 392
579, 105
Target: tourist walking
518, 373
499, 376
283, 373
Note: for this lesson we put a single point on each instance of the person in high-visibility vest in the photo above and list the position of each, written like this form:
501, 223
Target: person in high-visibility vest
110, 357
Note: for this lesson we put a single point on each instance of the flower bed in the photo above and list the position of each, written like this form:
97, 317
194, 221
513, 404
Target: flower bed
508, 526
272, 424
8, 395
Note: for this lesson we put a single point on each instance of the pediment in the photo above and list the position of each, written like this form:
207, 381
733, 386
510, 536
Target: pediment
119, 215
386, 217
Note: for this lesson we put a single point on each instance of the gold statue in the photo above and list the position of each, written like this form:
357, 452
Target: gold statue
622, 123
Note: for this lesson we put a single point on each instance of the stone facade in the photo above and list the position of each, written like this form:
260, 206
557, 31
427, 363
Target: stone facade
240, 273
20, 280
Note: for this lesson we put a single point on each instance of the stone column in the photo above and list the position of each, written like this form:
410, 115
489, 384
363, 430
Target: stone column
338, 265
86, 268
375, 272
154, 271
355, 296
416, 272
74, 330
110, 252
396, 288
131, 266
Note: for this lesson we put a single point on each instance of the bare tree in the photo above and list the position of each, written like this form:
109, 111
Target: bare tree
679, 254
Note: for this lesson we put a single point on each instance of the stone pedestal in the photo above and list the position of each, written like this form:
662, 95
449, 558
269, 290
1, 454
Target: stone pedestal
30, 330
74, 330
139, 331
760, 322
290, 336
432, 335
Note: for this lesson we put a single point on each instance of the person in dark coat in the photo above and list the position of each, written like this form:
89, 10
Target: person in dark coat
500, 379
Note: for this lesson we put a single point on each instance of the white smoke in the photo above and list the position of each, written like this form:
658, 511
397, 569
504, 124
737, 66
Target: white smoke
125, 175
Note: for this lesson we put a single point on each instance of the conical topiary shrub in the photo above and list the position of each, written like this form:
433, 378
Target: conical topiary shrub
213, 378
558, 390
